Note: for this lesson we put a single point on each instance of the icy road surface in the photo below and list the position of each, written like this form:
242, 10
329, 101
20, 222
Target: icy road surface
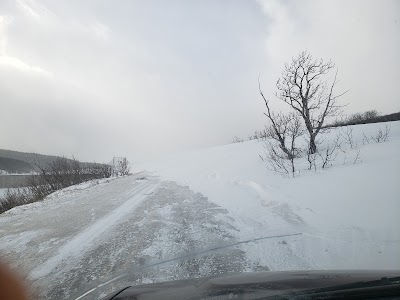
84, 233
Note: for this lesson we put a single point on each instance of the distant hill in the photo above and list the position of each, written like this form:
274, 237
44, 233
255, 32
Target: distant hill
25, 161
30, 158
15, 166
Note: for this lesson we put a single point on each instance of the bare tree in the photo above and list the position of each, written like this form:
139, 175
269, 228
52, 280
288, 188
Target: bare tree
104, 170
96, 170
382, 135
261, 135
362, 117
258, 135
281, 128
236, 140
123, 167
64, 172
303, 86
371, 114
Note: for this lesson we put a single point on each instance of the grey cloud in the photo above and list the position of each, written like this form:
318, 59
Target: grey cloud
141, 78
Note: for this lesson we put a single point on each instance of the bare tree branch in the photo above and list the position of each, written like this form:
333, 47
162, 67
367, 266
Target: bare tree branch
303, 89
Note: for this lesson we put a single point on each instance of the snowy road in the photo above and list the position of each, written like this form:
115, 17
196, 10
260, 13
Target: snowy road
82, 234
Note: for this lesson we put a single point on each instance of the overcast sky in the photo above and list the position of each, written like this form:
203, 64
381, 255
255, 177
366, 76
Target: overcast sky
102, 78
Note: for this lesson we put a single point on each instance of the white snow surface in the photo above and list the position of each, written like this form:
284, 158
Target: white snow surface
342, 217
348, 214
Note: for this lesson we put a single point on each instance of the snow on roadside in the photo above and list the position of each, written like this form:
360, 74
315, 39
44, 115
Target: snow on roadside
18, 241
81, 186
349, 220
55, 197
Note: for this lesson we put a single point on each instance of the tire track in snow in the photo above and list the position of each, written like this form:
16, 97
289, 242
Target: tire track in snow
84, 240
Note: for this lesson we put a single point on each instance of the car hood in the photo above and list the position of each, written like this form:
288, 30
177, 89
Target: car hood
250, 285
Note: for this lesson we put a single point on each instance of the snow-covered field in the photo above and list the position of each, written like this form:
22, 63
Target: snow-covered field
163, 222
348, 214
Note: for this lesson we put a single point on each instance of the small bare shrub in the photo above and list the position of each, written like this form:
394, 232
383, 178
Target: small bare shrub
281, 150
365, 139
54, 176
382, 135
236, 140
15, 197
330, 154
347, 135
357, 158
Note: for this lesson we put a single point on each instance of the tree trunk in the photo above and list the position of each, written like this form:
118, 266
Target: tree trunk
287, 152
313, 146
